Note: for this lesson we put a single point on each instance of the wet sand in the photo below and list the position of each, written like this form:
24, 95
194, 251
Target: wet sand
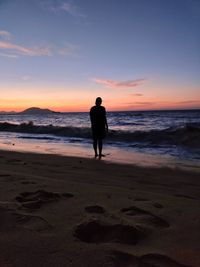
69, 211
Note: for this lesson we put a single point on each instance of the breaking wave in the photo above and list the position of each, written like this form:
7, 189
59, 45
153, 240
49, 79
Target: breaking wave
186, 135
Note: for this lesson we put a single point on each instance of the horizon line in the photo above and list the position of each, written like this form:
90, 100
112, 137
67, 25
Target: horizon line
131, 110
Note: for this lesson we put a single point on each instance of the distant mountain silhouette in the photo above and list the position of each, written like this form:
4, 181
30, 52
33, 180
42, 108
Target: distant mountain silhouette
7, 112
37, 111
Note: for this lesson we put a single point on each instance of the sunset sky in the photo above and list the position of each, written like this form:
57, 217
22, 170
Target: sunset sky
135, 54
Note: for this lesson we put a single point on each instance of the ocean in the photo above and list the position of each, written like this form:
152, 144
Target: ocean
170, 138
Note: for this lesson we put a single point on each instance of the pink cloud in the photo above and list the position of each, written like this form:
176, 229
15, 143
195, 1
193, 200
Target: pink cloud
5, 35
123, 84
8, 55
136, 94
68, 50
189, 102
22, 50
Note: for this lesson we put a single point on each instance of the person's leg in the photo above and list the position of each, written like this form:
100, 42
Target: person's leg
95, 147
100, 146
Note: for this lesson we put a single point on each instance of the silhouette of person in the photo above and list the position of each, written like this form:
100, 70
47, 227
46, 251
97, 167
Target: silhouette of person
99, 126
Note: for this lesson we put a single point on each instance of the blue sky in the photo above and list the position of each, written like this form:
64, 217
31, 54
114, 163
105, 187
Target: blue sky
136, 54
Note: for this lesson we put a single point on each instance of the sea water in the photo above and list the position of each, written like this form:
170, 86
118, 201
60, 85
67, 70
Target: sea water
141, 137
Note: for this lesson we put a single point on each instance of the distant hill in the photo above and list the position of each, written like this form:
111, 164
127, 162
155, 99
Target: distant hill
37, 111
7, 112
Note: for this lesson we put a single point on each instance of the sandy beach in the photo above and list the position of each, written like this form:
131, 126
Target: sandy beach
69, 211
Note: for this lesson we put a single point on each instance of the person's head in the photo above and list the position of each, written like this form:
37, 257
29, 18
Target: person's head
98, 101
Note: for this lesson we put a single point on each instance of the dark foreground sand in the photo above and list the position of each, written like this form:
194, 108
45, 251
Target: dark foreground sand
62, 211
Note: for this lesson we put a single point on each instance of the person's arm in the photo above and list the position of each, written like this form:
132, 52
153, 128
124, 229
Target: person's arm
106, 123
91, 116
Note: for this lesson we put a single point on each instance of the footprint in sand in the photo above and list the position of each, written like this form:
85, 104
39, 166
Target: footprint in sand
29, 222
141, 199
9, 178
12, 221
95, 209
159, 260
157, 205
16, 161
146, 217
5, 175
34, 200
28, 182
122, 259
184, 196
101, 232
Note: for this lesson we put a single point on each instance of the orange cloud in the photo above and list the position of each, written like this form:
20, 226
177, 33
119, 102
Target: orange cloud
124, 84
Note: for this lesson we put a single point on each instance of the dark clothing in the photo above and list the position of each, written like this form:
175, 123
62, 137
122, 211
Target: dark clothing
98, 122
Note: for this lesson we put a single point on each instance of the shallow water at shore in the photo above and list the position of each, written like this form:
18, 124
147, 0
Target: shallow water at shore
113, 153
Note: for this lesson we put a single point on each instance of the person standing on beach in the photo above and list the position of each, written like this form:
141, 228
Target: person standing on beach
99, 126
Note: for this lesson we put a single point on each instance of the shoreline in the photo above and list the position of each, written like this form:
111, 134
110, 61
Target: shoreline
73, 211
90, 157
114, 153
